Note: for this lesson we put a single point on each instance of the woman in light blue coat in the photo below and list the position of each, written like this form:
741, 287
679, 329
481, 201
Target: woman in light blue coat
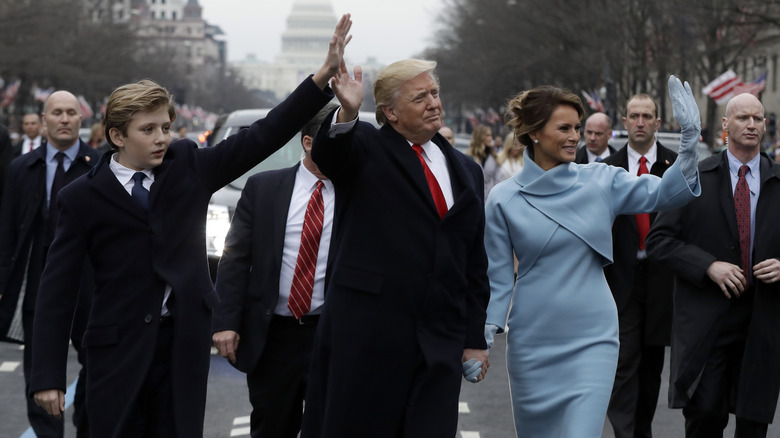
556, 217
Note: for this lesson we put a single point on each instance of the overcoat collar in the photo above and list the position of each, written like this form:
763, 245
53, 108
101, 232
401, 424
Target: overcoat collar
407, 160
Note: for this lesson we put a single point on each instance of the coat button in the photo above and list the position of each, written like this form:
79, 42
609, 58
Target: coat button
148, 318
269, 312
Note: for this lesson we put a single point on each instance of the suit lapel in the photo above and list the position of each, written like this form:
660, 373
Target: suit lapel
104, 182
283, 189
727, 196
406, 159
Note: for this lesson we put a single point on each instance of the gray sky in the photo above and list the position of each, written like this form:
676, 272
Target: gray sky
390, 31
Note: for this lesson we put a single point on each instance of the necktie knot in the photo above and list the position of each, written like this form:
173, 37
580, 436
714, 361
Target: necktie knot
59, 156
743, 171
643, 160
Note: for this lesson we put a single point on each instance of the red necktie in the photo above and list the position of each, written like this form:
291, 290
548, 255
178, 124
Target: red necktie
303, 277
433, 185
643, 219
742, 208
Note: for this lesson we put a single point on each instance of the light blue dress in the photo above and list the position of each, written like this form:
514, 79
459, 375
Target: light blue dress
561, 319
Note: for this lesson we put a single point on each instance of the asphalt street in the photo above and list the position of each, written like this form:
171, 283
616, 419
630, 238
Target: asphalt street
485, 410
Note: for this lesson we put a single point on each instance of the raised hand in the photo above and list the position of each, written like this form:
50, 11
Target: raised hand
686, 112
335, 56
349, 92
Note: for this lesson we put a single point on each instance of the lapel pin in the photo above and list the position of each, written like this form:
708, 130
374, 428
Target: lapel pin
87, 158
667, 162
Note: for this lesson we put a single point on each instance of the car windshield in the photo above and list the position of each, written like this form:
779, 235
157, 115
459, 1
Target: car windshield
287, 156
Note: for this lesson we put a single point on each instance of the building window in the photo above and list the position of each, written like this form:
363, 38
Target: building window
162, 15
173, 15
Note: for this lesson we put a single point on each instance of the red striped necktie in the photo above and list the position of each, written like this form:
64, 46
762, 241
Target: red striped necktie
299, 302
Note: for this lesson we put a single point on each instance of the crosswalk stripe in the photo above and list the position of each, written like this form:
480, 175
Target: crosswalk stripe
9, 366
463, 408
241, 420
240, 431
464, 434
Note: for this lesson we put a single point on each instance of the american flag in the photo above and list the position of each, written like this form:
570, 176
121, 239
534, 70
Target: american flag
594, 101
722, 88
753, 88
9, 94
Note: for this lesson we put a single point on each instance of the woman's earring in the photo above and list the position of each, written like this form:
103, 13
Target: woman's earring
536, 140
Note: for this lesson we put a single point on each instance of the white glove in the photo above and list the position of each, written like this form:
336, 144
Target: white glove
471, 369
686, 112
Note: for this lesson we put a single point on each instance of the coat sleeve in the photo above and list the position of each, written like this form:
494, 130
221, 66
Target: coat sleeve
666, 246
478, 284
235, 265
57, 298
501, 272
238, 153
648, 193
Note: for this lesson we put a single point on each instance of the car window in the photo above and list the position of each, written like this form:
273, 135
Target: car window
287, 156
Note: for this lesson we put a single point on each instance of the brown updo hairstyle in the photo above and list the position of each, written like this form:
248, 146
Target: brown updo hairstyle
530, 110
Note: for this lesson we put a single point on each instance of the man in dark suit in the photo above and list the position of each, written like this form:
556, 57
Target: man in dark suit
408, 290
642, 289
598, 131
31, 138
723, 248
26, 224
139, 217
255, 326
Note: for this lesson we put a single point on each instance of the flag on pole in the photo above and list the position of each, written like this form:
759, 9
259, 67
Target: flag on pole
594, 101
9, 94
722, 88
86, 109
753, 88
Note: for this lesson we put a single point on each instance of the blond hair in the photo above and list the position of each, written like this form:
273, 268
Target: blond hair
129, 99
389, 82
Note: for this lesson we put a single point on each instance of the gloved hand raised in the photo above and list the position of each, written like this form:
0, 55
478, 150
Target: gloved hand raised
686, 112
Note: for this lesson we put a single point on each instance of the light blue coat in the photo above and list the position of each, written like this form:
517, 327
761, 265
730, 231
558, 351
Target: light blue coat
562, 343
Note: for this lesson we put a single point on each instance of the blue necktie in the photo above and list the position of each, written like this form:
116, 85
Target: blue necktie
139, 192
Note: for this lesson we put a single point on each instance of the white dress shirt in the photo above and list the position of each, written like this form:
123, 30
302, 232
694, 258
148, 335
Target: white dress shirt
303, 188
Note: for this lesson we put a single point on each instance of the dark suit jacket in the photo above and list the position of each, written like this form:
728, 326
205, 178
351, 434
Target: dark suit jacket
17, 147
23, 236
582, 154
688, 241
404, 281
248, 276
135, 254
625, 241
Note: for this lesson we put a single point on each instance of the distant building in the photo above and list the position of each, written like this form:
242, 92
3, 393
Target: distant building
178, 30
304, 43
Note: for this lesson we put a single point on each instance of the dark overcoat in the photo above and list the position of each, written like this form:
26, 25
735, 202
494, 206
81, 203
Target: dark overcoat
23, 231
406, 287
688, 241
135, 254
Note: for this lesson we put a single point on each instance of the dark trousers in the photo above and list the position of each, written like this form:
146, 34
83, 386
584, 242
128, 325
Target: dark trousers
707, 413
638, 377
151, 416
277, 385
43, 424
